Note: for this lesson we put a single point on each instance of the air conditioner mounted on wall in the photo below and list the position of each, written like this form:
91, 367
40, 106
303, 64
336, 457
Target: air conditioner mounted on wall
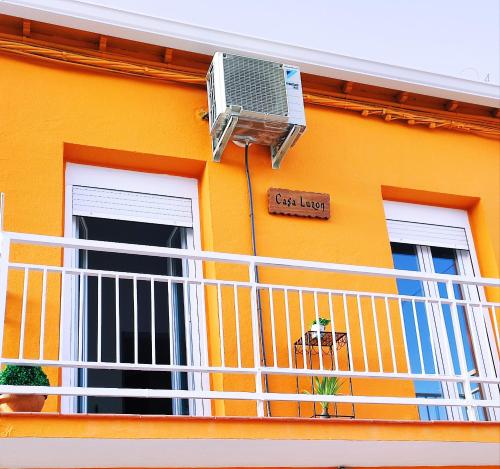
254, 101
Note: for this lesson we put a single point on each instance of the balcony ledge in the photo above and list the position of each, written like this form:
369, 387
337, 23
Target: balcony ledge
169, 441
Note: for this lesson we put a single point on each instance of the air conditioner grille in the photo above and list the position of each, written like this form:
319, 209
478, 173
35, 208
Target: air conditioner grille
255, 85
211, 97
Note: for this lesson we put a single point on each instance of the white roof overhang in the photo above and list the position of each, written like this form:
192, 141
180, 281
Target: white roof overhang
179, 34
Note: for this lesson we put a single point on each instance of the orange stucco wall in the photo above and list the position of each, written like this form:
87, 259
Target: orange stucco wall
235, 428
52, 114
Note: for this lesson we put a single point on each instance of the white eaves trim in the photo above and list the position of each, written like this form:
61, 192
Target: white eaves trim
101, 19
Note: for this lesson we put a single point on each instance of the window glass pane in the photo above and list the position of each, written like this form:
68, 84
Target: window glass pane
419, 317
444, 261
405, 258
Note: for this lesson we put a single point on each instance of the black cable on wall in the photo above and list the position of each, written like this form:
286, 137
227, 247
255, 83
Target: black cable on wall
254, 252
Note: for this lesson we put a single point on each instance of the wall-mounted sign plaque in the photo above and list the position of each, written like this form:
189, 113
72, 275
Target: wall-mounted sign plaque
298, 203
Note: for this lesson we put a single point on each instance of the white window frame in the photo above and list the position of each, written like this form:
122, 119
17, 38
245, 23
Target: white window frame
147, 183
467, 265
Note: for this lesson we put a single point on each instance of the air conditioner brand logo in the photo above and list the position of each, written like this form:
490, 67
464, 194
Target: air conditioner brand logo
292, 79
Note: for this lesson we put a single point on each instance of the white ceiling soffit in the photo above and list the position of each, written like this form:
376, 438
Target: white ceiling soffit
181, 34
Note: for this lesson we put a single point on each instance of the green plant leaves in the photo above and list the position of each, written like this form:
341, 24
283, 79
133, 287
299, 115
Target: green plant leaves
326, 386
322, 321
15, 375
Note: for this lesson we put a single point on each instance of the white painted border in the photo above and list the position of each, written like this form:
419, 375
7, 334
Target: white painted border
146, 183
102, 19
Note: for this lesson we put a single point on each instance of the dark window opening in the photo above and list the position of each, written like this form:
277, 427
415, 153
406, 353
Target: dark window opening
133, 345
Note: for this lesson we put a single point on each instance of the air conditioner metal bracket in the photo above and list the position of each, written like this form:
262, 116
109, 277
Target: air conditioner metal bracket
279, 151
219, 143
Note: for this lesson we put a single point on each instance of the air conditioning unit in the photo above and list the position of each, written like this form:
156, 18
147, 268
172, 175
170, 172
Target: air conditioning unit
254, 101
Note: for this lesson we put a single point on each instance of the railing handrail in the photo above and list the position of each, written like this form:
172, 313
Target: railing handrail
191, 254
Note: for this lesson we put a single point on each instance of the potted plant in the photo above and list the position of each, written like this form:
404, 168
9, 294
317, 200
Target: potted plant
326, 386
318, 326
14, 375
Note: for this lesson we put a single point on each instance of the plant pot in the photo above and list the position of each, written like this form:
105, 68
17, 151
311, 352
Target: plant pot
317, 328
21, 402
324, 414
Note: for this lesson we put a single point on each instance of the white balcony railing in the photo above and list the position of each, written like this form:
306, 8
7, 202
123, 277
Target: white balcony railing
215, 334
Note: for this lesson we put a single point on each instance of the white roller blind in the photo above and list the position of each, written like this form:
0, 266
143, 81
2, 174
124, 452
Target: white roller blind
427, 234
134, 206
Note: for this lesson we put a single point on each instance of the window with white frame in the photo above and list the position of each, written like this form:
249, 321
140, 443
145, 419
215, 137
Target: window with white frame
438, 240
114, 319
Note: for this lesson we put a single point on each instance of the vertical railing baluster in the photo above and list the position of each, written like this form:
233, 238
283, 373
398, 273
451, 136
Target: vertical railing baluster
449, 369
334, 334
221, 326
431, 336
153, 321
256, 340
273, 328
237, 323
476, 348
136, 321
301, 310
320, 344
403, 331
377, 338
471, 412
99, 317
348, 332
171, 331
117, 319
362, 331
187, 322
446, 339
62, 316
288, 334
80, 315
23, 313
417, 331
42, 313
391, 336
